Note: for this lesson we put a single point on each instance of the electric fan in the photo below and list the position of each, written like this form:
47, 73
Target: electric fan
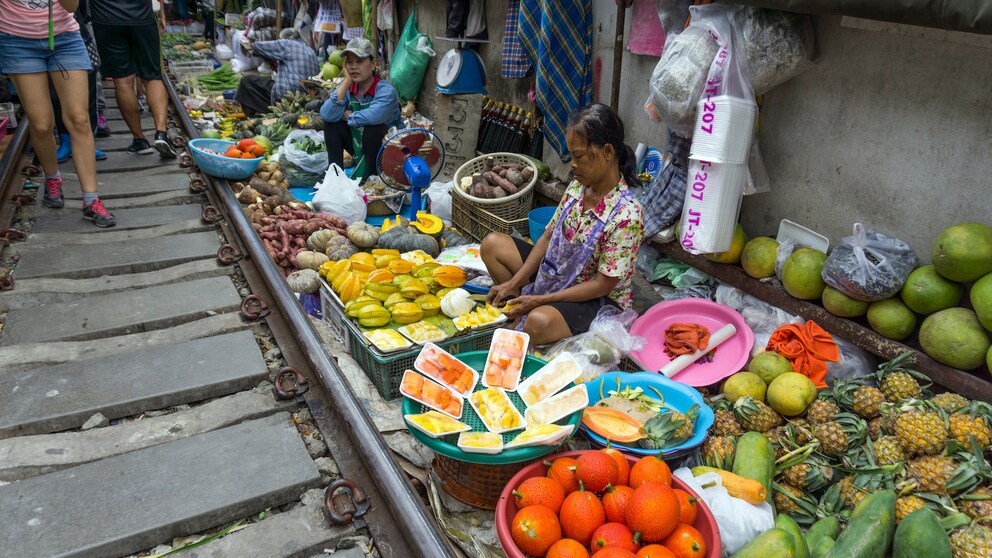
409, 160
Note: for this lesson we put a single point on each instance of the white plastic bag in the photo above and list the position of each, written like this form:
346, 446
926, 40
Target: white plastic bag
242, 61
310, 162
761, 317
739, 522
339, 195
600, 349
439, 200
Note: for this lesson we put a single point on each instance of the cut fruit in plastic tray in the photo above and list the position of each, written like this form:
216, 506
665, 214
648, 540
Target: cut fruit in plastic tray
541, 435
442, 366
788, 230
547, 381
446, 425
480, 442
505, 360
407, 331
382, 337
439, 397
496, 411
559, 406
462, 326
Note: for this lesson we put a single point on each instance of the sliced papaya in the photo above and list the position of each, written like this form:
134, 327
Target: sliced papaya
613, 424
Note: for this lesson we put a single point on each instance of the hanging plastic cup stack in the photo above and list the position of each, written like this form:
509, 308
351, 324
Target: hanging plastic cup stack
712, 203
724, 128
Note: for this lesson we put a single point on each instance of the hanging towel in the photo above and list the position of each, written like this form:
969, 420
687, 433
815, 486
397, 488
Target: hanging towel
557, 36
514, 61
808, 347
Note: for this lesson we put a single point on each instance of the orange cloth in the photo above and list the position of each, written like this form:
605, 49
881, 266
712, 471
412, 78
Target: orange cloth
807, 347
685, 339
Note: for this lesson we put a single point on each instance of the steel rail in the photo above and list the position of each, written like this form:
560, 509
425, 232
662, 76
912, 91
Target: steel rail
417, 526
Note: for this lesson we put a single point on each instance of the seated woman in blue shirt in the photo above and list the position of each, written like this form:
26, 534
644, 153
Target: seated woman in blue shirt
358, 115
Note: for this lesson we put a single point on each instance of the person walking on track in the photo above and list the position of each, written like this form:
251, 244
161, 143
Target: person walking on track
39, 40
127, 37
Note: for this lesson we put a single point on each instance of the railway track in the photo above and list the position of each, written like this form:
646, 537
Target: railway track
160, 383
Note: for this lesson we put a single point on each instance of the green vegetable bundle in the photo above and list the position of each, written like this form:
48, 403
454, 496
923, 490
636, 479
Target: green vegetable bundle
221, 79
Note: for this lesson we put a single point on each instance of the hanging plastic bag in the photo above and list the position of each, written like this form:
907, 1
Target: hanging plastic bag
339, 195
673, 14
779, 45
869, 265
384, 18
413, 53
352, 11
601, 348
739, 521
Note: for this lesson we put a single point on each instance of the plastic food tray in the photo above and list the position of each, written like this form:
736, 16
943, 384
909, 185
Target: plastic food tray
503, 333
578, 392
425, 432
407, 343
428, 405
553, 439
447, 445
788, 230
550, 369
432, 347
406, 333
476, 449
522, 422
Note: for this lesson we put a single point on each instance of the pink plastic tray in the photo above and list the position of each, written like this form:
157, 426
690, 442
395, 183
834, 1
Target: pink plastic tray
730, 357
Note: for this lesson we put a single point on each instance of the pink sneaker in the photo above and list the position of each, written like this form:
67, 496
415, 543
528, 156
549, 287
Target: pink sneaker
53, 193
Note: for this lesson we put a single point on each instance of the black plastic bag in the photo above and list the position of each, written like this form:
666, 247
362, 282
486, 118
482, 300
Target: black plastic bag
869, 265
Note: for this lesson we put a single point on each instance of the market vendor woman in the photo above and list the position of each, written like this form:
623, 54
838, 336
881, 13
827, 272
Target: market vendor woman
585, 258
357, 117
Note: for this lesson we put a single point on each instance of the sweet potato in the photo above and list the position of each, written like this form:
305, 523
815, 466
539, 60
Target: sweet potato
501, 182
515, 177
527, 173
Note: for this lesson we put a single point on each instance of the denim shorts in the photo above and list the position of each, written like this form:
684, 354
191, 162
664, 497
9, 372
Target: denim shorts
32, 56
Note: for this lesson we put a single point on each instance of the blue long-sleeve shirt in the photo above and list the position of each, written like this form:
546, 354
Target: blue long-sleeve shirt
384, 106
297, 61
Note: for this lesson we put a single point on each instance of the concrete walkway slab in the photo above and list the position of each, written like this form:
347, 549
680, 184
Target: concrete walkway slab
126, 162
69, 221
131, 184
61, 397
126, 312
124, 504
114, 258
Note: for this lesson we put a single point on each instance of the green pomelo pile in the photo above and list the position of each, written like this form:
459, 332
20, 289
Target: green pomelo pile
758, 257
956, 338
891, 318
839, 304
769, 365
963, 252
802, 274
927, 291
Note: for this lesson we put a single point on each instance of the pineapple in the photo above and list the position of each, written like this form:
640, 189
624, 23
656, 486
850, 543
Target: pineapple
836, 436
972, 542
875, 428
799, 432
906, 505
810, 475
821, 411
931, 473
724, 421
896, 382
851, 493
949, 401
755, 415
786, 497
921, 429
977, 504
866, 401
718, 451
688, 422
888, 451
971, 422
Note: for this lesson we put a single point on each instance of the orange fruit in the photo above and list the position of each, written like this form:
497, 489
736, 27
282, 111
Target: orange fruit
687, 507
686, 542
650, 468
567, 548
563, 471
655, 551
653, 511
246, 144
597, 470
540, 491
623, 466
613, 534
534, 529
615, 503
581, 514
614, 552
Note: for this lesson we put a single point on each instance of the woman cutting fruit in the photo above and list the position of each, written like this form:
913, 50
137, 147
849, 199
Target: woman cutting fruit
585, 258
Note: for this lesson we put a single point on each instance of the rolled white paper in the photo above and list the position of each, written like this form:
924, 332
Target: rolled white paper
679, 363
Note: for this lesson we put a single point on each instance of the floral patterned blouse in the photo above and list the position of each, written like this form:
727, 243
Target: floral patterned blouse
616, 253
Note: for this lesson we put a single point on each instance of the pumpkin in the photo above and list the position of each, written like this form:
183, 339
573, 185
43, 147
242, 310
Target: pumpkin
387, 224
451, 238
304, 281
362, 234
406, 239
340, 248
307, 259
428, 224
456, 303
449, 276
318, 240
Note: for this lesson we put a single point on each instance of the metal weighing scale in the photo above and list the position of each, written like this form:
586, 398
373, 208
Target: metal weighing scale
461, 70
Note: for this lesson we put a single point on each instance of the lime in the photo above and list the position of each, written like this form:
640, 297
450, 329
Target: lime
891, 318
744, 383
770, 365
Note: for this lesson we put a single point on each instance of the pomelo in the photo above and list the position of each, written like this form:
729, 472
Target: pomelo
744, 383
330, 71
732, 255
758, 257
927, 291
770, 365
891, 318
963, 252
791, 393
802, 274
839, 304
956, 338
981, 300
336, 58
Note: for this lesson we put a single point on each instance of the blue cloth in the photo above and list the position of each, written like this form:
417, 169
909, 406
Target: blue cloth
557, 36
383, 107
31, 56
297, 62
514, 61
662, 199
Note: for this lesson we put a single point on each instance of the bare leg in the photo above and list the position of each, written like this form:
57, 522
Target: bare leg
33, 90
127, 103
546, 325
73, 94
158, 103
501, 257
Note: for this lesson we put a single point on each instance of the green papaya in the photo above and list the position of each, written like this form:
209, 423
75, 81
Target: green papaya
755, 459
921, 534
789, 525
828, 527
869, 531
773, 543
823, 547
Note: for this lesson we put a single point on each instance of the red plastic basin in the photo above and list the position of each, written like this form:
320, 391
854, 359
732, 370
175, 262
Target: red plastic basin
506, 508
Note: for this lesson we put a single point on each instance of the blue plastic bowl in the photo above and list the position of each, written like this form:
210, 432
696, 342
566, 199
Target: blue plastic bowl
538, 220
217, 165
